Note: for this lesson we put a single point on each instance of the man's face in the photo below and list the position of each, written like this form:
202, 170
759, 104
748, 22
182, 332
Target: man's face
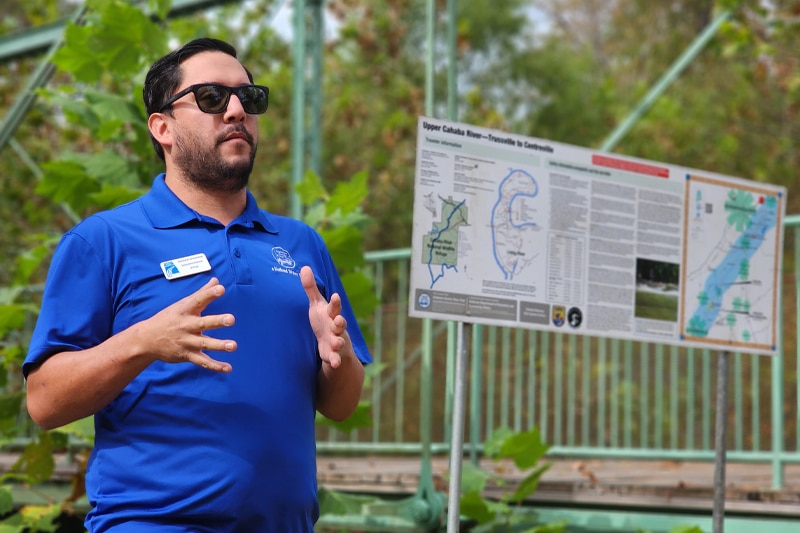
213, 151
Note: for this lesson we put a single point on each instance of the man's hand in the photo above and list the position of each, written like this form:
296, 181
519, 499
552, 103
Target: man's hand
326, 320
75, 384
175, 334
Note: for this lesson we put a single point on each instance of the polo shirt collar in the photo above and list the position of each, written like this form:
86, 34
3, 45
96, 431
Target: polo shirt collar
165, 210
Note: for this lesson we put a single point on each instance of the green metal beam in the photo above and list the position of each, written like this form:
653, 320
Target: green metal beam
666, 80
39, 39
27, 97
298, 105
32, 41
315, 92
48, 39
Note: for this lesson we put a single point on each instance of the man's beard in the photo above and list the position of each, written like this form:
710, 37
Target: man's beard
206, 168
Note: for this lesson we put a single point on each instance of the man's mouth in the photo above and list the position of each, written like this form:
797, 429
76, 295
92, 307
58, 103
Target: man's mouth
237, 135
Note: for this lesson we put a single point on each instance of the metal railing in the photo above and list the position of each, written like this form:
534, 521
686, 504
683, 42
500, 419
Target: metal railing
588, 396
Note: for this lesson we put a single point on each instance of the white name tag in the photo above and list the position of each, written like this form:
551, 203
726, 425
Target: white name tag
185, 266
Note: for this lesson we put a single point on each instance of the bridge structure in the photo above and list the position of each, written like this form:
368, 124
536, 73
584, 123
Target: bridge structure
630, 425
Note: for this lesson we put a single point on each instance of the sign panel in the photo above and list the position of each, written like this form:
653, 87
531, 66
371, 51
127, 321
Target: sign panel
517, 231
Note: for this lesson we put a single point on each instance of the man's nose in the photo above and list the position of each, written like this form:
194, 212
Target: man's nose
235, 112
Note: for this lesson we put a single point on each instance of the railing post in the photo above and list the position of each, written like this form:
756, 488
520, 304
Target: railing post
720, 442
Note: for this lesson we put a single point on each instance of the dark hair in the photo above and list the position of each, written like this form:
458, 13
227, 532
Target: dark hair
165, 75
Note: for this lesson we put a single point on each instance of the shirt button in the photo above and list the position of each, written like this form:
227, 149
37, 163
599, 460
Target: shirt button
237, 253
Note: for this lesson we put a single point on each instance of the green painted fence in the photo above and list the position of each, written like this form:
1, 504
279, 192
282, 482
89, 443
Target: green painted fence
589, 396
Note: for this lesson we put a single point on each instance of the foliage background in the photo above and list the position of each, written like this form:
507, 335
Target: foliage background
566, 70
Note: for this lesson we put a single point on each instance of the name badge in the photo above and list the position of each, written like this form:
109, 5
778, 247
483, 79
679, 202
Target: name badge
185, 266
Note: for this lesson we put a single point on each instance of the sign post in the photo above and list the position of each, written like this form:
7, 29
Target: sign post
721, 423
457, 438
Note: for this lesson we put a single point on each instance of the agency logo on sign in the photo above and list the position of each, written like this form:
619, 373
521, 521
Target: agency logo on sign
559, 315
575, 317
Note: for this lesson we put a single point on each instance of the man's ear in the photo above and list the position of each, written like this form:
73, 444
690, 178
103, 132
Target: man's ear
160, 130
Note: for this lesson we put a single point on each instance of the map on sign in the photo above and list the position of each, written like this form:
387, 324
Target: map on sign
731, 244
441, 243
516, 231
514, 223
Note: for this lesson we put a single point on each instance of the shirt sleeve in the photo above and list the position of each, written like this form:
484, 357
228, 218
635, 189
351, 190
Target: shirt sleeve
77, 304
333, 284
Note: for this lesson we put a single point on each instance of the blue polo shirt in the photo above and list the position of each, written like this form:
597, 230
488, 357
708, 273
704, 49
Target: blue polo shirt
183, 448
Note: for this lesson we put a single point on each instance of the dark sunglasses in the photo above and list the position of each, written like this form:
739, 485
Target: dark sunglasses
213, 98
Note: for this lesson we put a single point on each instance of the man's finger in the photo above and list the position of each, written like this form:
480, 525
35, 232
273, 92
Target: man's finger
211, 344
206, 294
207, 322
211, 364
335, 305
310, 285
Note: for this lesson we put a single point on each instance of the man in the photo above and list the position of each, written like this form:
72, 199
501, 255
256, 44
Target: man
191, 324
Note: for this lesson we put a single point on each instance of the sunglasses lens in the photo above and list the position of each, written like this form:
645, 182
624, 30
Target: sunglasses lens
212, 98
254, 99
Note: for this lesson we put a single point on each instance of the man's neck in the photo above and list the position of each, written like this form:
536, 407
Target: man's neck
221, 206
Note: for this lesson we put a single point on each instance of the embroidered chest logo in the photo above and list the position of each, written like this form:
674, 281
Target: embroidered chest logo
284, 259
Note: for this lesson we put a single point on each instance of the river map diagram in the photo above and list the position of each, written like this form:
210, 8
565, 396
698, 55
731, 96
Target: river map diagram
511, 219
726, 296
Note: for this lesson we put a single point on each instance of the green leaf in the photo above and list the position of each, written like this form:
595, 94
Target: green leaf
525, 448
41, 517
371, 371
529, 483
160, 8
72, 105
315, 215
30, 260
107, 167
345, 244
310, 190
117, 37
114, 195
361, 418
356, 219
36, 462
67, 182
559, 526
12, 317
124, 37
83, 429
473, 478
476, 508
360, 293
10, 407
77, 57
494, 444
348, 195
337, 503
9, 294
110, 106
11, 355
13, 524
6, 500
683, 528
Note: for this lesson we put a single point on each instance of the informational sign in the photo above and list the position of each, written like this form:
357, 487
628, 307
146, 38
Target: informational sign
517, 231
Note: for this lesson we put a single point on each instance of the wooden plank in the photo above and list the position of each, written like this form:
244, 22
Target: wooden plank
676, 485
669, 485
